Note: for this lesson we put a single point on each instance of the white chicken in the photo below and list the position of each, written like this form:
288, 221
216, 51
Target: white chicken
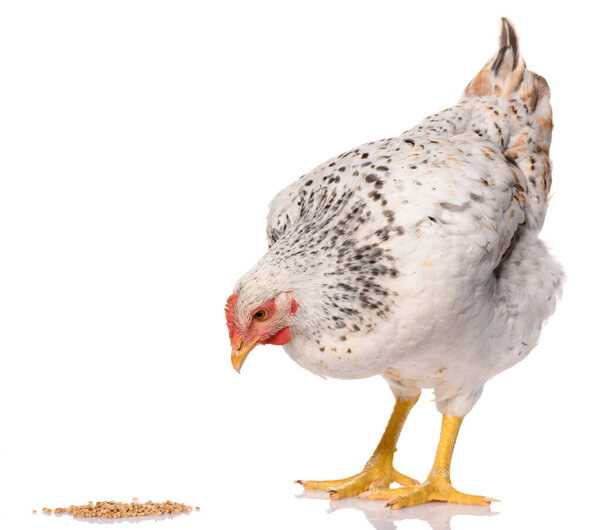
416, 258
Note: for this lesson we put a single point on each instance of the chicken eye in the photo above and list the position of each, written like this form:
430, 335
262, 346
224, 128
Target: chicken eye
260, 315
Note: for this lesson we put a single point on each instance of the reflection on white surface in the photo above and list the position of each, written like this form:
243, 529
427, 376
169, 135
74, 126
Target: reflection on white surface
131, 520
436, 514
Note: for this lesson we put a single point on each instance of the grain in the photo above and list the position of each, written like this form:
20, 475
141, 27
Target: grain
113, 510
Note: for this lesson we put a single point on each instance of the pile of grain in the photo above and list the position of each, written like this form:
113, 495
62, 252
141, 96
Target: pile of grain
112, 509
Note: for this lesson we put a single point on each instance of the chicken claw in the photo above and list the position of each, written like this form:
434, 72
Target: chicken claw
437, 486
378, 472
372, 476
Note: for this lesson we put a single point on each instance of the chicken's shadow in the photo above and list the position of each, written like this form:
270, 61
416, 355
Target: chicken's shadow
436, 514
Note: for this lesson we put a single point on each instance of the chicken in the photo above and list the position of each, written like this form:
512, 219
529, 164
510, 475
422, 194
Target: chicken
416, 258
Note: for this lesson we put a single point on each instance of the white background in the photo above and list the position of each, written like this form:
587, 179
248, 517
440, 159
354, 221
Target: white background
140, 145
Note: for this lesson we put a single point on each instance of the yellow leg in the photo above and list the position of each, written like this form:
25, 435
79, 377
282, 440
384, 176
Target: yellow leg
437, 487
378, 471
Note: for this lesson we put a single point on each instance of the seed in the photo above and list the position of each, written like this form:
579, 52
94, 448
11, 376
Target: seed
112, 509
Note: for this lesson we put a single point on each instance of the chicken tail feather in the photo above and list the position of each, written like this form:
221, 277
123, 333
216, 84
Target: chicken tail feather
506, 74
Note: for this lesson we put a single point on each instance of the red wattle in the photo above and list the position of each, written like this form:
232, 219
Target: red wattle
280, 338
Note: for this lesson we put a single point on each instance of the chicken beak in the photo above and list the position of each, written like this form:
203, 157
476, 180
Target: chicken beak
240, 352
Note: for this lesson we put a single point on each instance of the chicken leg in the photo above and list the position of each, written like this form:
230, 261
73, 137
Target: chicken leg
378, 471
437, 486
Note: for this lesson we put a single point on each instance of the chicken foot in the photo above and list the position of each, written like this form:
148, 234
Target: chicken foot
437, 486
378, 472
